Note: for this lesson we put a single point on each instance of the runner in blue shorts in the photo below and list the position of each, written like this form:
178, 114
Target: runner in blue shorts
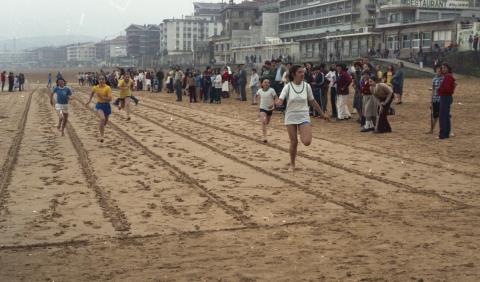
104, 96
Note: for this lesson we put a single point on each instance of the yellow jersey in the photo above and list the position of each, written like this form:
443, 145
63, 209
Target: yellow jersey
125, 92
389, 78
104, 94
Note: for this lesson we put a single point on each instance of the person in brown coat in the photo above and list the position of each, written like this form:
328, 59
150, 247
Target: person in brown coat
385, 96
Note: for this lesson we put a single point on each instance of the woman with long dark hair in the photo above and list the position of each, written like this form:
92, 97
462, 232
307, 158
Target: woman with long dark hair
299, 97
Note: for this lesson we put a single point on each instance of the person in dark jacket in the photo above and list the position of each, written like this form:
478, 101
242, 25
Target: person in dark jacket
397, 82
160, 76
445, 91
242, 82
11, 81
317, 85
343, 85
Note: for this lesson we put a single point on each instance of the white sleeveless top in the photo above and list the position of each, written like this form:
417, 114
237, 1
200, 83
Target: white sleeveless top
297, 97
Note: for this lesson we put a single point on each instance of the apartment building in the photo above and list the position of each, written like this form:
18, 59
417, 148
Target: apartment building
143, 40
85, 52
328, 30
406, 26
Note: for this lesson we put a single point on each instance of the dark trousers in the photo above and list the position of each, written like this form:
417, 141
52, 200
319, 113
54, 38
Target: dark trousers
178, 90
207, 92
333, 101
382, 125
192, 94
317, 94
445, 117
10, 87
243, 91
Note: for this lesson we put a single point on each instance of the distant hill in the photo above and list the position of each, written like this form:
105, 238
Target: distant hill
42, 41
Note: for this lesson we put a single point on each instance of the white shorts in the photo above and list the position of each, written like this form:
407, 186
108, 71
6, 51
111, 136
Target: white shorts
61, 108
148, 82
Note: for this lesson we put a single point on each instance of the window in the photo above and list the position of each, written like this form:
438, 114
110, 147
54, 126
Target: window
406, 41
415, 40
427, 40
442, 35
235, 26
246, 26
240, 14
392, 42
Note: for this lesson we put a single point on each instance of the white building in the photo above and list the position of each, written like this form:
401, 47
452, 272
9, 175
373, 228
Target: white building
179, 37
81, 52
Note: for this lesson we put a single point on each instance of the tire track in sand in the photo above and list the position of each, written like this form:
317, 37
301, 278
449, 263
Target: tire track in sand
110, 209
338, 142
348, 206
12, 155
180, 174
383, 180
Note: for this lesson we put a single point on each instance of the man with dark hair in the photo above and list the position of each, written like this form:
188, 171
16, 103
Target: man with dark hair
242, 82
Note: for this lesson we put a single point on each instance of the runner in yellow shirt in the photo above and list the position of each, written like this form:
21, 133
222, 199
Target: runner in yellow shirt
103, 94
126, 86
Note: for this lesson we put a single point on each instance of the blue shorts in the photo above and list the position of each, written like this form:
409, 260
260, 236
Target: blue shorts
105, 107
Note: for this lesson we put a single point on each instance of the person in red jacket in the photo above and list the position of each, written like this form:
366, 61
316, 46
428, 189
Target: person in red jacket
343, 84
445, 91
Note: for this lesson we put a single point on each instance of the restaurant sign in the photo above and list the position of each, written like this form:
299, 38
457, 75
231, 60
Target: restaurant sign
452, 4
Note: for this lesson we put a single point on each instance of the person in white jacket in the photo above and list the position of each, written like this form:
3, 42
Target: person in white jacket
254, 85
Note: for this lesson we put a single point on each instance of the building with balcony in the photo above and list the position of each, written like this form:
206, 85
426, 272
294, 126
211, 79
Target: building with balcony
328, 30
143, 42
406, 26
81, 53
180, 37
208, 10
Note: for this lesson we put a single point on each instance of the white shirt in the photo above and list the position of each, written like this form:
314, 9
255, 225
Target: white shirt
331, 77
217, 83
297, 97
267, 99
254, 80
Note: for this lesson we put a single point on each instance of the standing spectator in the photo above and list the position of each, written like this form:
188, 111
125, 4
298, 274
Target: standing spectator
254, 85
343, 85
11, 81
475, 42
397, 82
218, 87
332, 79
389, 75
178, 84
207, 84
435, 99
445, 91
242, 82
368, 103
378, 68
278, 71
225, 83
160, 76
190, 87
21, 82
470, 42
357, 97
317, 84
3, 78
198, 85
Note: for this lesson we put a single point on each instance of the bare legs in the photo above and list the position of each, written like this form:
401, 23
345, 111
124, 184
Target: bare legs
305, 131
265, 121
125, 105
102, 123
62, 122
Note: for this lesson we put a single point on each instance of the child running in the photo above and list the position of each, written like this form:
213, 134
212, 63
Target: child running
63, 94
104, 96
268, 97
126, 86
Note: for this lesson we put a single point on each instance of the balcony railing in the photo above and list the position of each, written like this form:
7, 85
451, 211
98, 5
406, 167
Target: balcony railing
303, 6
316, 16
370, 7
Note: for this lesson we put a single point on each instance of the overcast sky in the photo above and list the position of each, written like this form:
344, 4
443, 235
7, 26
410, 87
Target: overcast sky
98, 18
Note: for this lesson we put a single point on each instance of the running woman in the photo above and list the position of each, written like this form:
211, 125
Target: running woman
126, 86
268, 97
299, 96
63, 94
104, 96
